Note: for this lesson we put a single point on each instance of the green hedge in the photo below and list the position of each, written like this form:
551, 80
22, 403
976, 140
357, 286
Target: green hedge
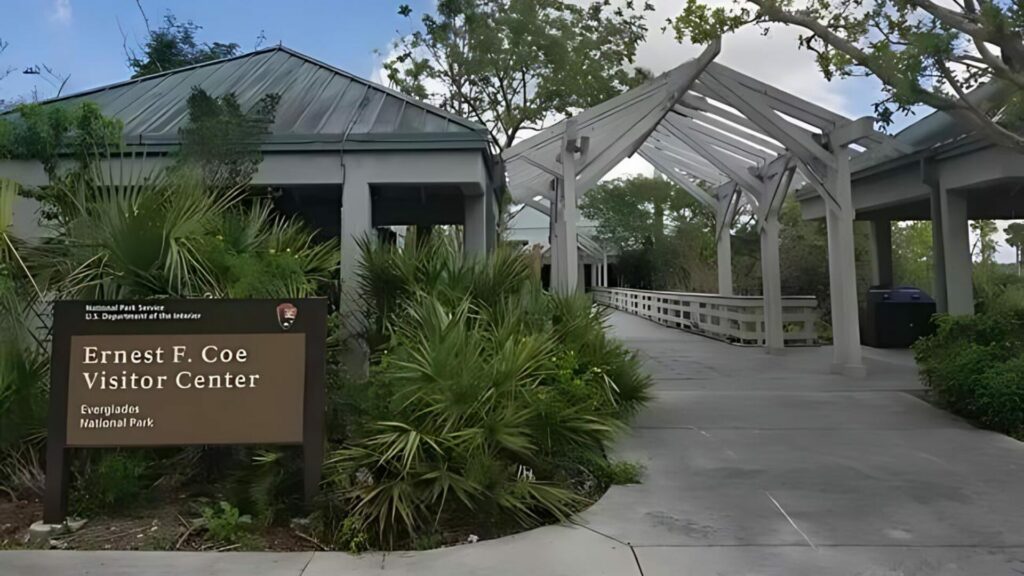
975, 367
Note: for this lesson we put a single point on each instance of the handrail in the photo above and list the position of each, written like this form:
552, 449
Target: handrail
735, 319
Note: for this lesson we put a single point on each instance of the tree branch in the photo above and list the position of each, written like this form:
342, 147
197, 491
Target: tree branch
959, 107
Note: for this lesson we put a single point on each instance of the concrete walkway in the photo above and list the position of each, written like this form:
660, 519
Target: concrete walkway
756, 465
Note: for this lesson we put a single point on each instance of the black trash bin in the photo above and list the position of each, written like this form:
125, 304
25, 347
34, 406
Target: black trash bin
895, 317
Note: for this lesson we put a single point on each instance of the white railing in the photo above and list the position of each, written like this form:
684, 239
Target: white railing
735, 319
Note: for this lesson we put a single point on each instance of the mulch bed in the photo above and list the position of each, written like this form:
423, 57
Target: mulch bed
163, 527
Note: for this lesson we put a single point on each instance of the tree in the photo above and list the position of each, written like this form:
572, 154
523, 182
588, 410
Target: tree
222, 139
174, 45
803, 254
4, 72
986, 245
664, 237
512, 64
633, 212
923, 52
1015, 237
912, 254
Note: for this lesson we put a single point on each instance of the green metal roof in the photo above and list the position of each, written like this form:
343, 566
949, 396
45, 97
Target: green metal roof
319, 104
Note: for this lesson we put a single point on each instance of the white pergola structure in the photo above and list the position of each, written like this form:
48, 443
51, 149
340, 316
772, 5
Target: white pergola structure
726, 138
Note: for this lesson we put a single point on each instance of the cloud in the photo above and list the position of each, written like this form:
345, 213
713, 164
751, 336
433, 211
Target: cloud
61, 13
774, 58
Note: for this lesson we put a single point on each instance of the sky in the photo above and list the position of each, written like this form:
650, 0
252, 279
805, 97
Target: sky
86, 40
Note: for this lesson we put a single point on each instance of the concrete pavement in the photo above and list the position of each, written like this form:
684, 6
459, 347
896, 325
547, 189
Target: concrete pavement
756, 465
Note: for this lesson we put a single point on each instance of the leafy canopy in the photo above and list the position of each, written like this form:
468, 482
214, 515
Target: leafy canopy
1015, 234
224, 140
174, 45
44, 133
986, 245
510, 64
634, 212
664, 237
923, 52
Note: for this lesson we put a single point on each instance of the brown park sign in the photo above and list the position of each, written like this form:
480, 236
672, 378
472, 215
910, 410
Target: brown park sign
185, 372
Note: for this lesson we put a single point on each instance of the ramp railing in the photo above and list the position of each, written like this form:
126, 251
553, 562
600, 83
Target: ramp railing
735, 319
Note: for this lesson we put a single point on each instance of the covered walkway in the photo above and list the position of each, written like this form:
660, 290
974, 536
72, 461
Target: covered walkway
727, 139
756, 465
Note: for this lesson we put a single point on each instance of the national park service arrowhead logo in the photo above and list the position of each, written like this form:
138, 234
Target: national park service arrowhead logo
286, 315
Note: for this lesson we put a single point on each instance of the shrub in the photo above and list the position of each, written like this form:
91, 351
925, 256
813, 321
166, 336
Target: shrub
24, 362
975, 367
225, 524
23, 393
488, 400
111, 481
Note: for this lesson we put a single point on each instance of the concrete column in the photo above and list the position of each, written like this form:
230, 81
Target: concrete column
492, 214
356, 223
956, 248
604, 271
556, 249
595, 280
581, 282
881, 252
842, 271
565, 278
938, 254
724, 244
771, 283
474, 228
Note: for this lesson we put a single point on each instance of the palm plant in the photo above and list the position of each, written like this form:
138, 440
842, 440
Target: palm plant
132, 235
486, 396
24, 384
168, 233
465, 404
255, 253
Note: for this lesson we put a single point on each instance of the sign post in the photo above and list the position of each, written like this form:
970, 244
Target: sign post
185, 372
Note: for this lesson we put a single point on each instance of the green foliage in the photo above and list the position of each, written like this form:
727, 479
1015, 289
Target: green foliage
1015, 238
174, 45
1015, 234
996, 288
620, 473
922, 52
632, 212
135, 239
24, 387
225, 524
482, 390
24, 364
986, 245
269, 484
664, 237
256, 254
44, 133
340, 531
110, 481
912, 254
222, 139
171, 234
510, 64
974, 366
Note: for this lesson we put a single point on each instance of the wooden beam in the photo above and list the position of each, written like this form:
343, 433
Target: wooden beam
685, 183
790, 105
757, 108
736, 173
